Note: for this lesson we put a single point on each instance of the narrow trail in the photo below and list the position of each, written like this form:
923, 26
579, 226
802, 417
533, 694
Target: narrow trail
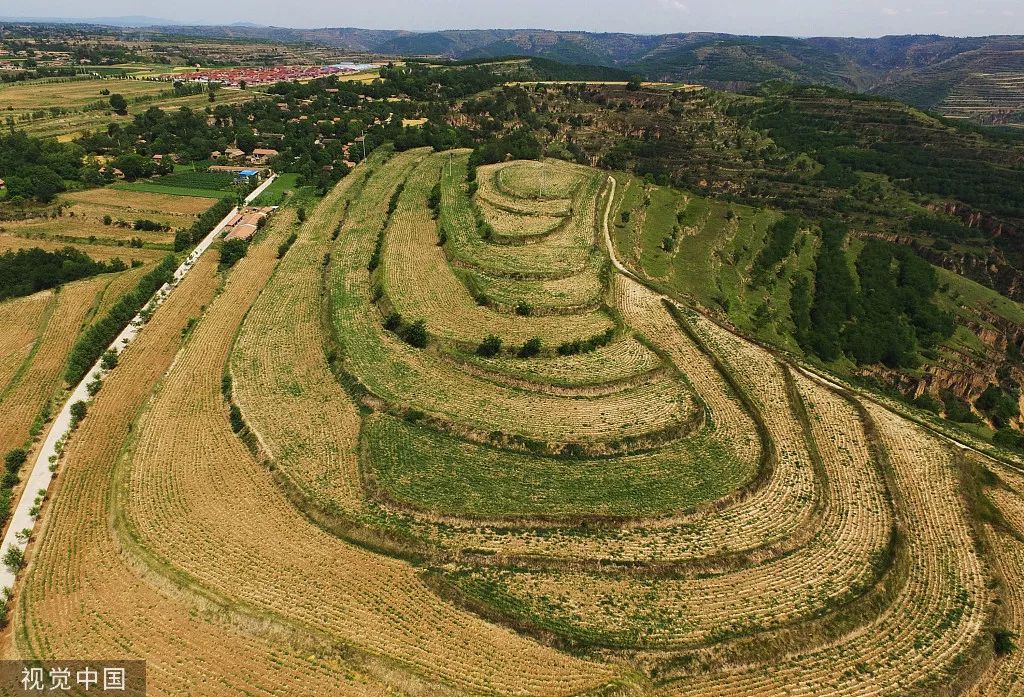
40, 477
809, 372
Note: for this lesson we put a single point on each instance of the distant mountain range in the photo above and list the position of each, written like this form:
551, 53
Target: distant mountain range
127, 21
925, 70
929, 71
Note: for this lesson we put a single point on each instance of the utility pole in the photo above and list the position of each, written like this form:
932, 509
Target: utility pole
364, 143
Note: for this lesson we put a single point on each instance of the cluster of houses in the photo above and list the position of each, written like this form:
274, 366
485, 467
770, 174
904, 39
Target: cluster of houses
234, 77
260, 157
114, 172
246, 167
51, 58
244, 224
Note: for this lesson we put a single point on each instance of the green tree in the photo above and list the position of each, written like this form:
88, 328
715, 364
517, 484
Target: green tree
490, 346
134, 166
246, 140
531, 348
119, 104
78, 412
14, 459
109, 359
35, 182
14, 559
231, 252
416, 334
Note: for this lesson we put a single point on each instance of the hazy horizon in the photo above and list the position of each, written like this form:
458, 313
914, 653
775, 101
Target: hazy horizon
870, 18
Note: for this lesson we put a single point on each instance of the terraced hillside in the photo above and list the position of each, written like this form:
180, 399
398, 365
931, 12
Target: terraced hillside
994, 98
443, 443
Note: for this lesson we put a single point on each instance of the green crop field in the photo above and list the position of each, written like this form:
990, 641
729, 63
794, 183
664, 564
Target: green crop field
274, 195
215, 181
433, 471
156, 186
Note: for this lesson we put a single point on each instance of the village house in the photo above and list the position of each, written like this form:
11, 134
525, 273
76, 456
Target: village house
246, 223
261, 155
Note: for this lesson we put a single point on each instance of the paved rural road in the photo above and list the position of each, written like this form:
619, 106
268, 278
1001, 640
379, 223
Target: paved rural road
40, 477
813, 374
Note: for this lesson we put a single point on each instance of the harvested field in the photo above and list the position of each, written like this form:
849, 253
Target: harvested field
215, 496
23, 319
934, 617
299, 413
71, 94
67, 609
564, 253
559, 202
641, 502
618, 361
98, 251
82, 215
419, 283
39, 378
555, 296
513, 225
536, 180
78, 120
142, 202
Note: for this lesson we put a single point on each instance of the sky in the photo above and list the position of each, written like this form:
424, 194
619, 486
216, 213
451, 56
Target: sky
764, 17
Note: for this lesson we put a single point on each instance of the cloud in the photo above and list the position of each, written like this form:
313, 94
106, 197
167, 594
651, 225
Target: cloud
674, 5
889, 12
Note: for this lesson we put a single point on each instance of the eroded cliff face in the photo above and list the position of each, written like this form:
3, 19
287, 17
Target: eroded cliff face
995, 270
966, 373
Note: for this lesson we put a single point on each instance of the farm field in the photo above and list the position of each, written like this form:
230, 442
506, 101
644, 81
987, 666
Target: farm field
66, 110
42, 330
990, 97
493, 431
82, 219
274, 194
71, 93
201, 184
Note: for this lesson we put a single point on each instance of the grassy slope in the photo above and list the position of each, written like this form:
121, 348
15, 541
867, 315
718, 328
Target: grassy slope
428, 469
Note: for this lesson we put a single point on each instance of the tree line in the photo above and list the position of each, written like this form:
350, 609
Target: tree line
28, 271
97, 337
